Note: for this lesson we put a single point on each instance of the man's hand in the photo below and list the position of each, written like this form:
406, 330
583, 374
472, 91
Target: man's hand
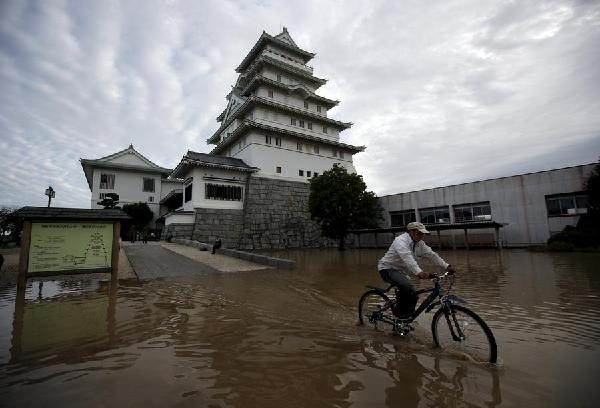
450, 269
424, 275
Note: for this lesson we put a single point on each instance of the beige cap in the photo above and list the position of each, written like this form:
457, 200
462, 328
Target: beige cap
417, 226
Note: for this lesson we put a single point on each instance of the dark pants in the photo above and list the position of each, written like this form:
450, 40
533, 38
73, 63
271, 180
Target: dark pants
406, 297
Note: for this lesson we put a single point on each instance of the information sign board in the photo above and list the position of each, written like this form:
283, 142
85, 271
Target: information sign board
64, 246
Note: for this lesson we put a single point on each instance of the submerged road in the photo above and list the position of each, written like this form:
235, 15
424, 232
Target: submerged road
151, 261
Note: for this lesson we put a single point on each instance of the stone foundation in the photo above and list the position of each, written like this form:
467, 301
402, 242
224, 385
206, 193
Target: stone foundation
275, 216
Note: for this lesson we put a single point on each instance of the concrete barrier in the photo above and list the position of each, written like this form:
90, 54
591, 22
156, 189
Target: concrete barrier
234, 253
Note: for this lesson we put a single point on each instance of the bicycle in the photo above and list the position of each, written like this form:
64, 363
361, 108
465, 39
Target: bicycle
464, 330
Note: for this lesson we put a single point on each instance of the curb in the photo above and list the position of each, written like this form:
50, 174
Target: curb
234, 253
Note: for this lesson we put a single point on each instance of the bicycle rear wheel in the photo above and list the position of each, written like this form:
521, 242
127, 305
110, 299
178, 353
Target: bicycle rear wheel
472, 336
373, 309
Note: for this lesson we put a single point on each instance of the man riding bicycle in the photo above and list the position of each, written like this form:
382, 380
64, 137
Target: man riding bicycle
400, 259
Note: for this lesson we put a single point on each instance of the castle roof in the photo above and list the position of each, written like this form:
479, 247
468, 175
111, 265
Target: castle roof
290, 69
283, 40
256, 100
259, 79
195, 159
250, 124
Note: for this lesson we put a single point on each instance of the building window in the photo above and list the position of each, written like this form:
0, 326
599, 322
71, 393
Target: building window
101, 196
324, 129
293, 121
318, 109
305, 105
278, 77
437, 215
268, 139
308, 173
301, 173
270, 93
188, 193
316, 149
278, 169
334, 152
148, 185
316, 174
567, 204
107, 181
222, 192
278, 141
341, 154
299, 146
301, 123
150, 199
309, 125
473, 212
402, 218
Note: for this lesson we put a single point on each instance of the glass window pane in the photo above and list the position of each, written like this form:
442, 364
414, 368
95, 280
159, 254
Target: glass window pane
553, 206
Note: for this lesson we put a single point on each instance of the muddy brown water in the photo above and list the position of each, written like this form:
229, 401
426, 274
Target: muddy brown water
289, 339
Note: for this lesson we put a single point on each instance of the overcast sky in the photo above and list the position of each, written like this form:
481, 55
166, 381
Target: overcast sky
440, 92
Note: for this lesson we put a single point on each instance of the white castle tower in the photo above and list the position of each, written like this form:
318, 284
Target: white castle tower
275, 121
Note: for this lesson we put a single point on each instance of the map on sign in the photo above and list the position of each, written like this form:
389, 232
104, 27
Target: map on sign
70, 246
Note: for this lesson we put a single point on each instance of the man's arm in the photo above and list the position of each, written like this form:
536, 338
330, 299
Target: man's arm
407, 257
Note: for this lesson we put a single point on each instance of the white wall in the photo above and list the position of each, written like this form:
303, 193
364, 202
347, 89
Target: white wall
202, 176
518, 201
129, 186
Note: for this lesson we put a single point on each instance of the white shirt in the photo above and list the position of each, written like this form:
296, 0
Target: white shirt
403, 252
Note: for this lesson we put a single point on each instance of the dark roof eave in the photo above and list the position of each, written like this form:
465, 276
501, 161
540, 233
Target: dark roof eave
262, 41
186, 163
330, 103
251, 124
58, 213
104, 164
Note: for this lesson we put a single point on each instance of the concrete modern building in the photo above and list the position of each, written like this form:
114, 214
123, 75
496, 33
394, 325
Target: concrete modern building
129, 174
530, 207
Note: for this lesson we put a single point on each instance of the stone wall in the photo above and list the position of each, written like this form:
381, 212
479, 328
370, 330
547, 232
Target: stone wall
275, 216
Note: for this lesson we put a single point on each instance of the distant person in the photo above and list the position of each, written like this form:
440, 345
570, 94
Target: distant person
400, 260
216, 246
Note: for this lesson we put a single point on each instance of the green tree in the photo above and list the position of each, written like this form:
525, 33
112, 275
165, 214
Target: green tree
10, 225
339, 202
109, 201
140, 215
592, 188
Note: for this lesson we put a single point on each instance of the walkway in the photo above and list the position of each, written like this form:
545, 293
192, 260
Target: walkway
159, 260
151, 261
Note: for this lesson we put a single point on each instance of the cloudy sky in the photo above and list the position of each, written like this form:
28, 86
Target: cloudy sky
440, 92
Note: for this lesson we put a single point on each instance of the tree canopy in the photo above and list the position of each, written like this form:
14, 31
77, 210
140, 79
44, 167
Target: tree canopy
592, 187
339, 202
140, 213
109, 201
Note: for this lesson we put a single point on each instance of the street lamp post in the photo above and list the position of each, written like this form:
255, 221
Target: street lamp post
50, 193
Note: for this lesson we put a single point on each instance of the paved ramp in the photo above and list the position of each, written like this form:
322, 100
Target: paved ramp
151, 261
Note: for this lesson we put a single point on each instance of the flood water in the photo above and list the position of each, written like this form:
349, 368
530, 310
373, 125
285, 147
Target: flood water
279, 338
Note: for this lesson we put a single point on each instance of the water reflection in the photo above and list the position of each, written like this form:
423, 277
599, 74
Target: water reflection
288, 338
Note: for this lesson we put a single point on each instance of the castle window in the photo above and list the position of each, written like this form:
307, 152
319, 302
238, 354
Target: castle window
308, 173
299, 146
188, 193
278, 141
341, 155
148, 185
316, 174
301, 173
334, 152
293, 121
270, 93
278, 77
107, 181
278, 169
324, 129
150, 199
301, 123
309, 125
268, 139
318, 109
316, 149
305, 105
222, 192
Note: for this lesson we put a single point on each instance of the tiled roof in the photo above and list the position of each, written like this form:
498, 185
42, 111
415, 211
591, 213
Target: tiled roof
209, 160
48, 213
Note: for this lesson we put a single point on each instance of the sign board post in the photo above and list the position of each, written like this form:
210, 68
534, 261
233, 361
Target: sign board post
60, 241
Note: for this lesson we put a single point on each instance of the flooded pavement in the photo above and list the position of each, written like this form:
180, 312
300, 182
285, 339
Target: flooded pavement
273, 338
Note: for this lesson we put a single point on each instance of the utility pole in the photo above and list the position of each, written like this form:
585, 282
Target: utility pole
50, 193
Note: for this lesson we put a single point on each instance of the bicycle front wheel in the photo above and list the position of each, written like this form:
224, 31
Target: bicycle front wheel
373, 309
460, 330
